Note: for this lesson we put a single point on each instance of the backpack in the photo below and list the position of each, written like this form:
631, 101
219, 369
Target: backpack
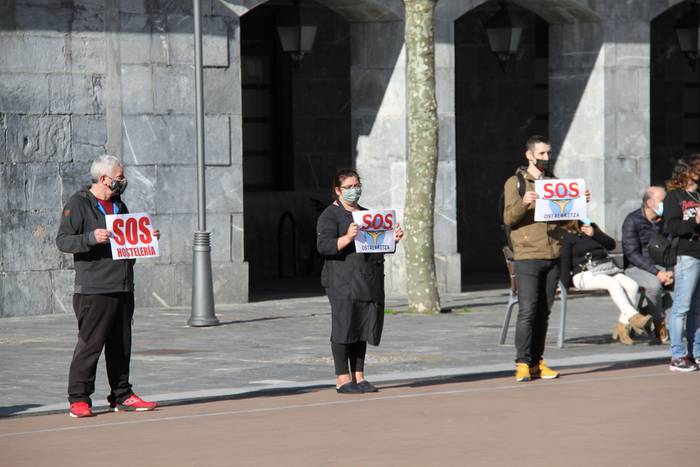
663, 251
505, 228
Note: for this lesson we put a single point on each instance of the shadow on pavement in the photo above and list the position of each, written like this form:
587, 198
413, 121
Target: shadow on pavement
12, 409
566, 371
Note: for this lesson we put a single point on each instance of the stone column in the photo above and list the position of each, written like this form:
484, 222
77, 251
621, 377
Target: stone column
378, 112
447, 258
599, 109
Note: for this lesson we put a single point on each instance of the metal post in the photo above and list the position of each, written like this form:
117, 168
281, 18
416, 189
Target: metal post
202, 285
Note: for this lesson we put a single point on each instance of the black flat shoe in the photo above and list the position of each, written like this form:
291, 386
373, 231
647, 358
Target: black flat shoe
366, 386
349, 388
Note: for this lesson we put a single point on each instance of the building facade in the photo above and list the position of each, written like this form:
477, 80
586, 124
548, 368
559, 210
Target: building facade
604, 79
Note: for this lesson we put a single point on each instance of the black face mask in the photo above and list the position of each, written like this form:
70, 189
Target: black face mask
544, 166
118, 186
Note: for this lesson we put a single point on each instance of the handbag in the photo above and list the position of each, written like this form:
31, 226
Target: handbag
663, 251
604, 266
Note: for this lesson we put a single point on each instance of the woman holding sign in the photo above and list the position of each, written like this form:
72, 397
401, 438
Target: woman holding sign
354, 283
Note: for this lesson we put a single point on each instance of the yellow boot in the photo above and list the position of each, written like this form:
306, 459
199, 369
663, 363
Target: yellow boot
621, 332
541, 370
522, 372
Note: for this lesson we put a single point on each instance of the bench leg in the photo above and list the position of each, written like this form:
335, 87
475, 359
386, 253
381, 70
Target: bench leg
563, 296
512, 301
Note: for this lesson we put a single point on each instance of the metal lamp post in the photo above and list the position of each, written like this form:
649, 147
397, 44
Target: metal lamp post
202, 284
504, 34
688, 34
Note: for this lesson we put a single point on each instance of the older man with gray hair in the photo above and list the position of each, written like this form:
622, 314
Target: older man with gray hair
104, 291
637, 230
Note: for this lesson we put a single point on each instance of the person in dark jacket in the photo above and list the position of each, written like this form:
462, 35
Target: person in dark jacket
585, 245
637, 229
682, 217
104, 291
354, 283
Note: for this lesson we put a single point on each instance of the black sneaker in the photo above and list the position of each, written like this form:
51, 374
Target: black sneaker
683, 364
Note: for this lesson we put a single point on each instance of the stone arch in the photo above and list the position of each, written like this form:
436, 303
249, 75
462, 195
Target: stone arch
659, 7
357, 11
552, 11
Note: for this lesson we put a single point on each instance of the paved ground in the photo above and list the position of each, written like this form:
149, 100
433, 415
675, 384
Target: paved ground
276, 345
602, 416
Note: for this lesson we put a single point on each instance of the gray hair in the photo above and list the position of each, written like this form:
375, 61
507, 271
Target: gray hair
104, 165
649, 193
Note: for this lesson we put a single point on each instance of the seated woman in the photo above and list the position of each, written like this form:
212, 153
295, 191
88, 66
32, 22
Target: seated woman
583, 246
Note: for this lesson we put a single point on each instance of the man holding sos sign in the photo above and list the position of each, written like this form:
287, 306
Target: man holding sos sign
104, 289
536, 251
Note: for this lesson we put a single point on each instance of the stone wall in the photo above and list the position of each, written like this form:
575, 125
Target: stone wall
92, 76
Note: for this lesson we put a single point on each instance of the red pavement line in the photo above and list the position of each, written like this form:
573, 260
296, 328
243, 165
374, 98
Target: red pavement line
546, 385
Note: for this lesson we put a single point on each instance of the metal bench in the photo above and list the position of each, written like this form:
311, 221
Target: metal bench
564, 295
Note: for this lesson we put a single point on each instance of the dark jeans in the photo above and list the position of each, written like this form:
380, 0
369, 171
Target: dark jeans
536, 280
104, 321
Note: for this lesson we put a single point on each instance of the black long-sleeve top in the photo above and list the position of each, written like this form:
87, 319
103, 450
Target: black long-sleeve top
346, 273
575, 246
679, 215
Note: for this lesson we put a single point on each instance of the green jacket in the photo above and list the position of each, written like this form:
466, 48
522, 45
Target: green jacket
530, 239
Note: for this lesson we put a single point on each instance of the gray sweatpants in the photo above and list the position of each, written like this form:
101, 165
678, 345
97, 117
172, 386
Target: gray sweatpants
653, 290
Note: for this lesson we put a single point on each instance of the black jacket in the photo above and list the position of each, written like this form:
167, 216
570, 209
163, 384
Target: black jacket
679, 216
636, 233
574, 248
347, 274
95, 270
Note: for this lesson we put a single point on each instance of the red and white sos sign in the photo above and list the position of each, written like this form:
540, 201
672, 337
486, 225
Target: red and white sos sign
561, 189
132, 236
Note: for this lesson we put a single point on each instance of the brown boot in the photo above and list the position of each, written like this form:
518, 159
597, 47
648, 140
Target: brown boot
622, 333
662, 332
641, 324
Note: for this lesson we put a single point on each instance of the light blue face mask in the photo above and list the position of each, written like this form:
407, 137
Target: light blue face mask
659, 210
352, 195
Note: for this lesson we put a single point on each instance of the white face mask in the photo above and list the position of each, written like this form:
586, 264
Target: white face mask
659, 209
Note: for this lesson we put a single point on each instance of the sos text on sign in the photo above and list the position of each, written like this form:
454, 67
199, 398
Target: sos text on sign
132, 236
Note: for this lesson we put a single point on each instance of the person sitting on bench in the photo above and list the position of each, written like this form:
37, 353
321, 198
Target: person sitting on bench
585, 264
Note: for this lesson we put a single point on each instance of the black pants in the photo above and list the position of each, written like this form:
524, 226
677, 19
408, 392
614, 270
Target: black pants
104, 321
536, 280
353, 353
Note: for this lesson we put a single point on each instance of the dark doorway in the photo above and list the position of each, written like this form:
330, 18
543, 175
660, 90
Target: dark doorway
296, 134
675, 98
497, 109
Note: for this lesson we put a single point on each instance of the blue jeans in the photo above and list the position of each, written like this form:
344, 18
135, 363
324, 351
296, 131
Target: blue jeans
686, 308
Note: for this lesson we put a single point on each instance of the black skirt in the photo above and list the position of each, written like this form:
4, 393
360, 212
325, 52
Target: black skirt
355, 321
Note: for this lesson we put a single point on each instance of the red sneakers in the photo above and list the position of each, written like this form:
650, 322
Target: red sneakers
80, 410
133, 404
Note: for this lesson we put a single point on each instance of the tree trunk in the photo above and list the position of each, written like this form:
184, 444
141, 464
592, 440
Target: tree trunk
422, 157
